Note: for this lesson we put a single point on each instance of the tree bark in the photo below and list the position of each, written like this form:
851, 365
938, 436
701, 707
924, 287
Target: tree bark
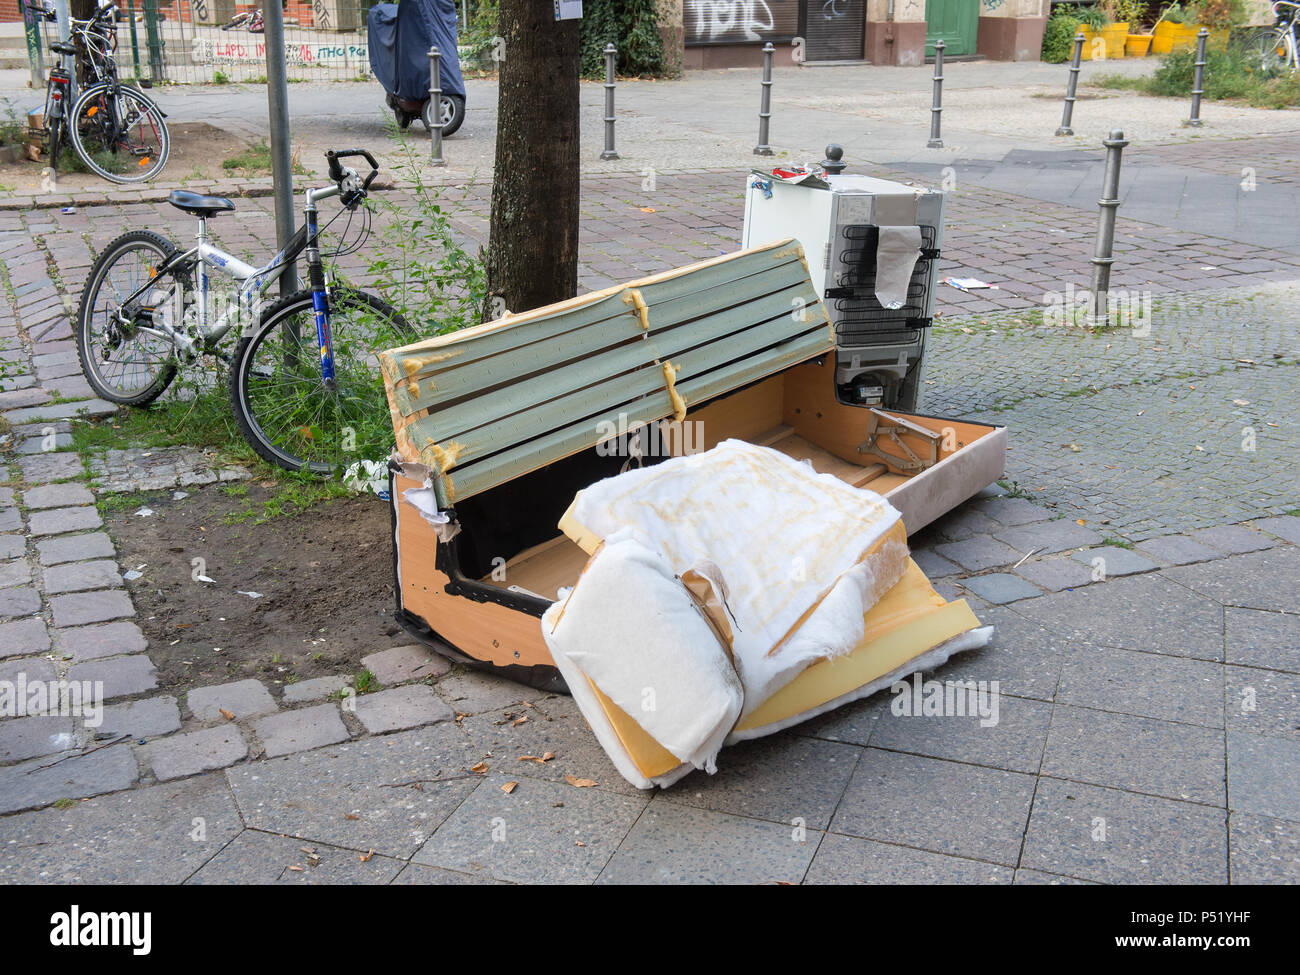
532, 256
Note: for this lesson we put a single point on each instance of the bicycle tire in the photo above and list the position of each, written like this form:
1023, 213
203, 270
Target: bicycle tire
1268, 48
91, 99
56, 141
119, 247
365, 400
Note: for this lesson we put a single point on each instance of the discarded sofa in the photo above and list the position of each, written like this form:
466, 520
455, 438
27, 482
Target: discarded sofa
652, 496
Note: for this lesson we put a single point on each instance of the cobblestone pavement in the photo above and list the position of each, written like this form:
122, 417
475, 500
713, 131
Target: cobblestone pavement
1140, 568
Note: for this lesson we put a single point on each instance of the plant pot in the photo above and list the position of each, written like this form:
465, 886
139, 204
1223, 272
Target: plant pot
1162, 37
1088, 35
1115, 36
1137, 45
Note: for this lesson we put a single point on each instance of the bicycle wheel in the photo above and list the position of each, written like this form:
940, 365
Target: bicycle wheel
123, 363
119, 133
56, 142
282, 405
1267, 50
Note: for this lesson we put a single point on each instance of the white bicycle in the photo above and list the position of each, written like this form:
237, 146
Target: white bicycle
1275, 49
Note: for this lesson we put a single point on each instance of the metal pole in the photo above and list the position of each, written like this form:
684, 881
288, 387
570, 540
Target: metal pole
765, 107
35, 45
135, 39
1103, 258
936, 110
435, 108
63, 17
153, 40
1198, 86
1071, 86
277, 102
609, 153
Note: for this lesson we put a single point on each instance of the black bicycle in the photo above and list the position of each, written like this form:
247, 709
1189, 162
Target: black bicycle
114, 128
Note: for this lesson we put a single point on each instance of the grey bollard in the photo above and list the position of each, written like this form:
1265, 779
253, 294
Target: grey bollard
435, 108
765, 106
1103, 256
1067, 116
1198, 80
936, 110
609, 153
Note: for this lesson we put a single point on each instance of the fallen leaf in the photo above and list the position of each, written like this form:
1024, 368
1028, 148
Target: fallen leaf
547, 756
481, 768
579, 783
518, 721
579, 843
228, 715
1080, 521
296, 869
509, 787
351, 816
647, 209
365, 857
307, 850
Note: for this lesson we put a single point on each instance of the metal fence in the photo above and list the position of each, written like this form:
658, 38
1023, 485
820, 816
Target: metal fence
183, 41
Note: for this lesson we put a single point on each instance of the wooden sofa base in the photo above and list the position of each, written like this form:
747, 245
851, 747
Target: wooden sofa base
493, 619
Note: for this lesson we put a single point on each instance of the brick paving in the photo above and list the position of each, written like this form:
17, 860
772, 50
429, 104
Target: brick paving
1140, 568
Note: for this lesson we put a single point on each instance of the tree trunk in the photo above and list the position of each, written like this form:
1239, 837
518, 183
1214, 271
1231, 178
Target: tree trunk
532, 256
81, 10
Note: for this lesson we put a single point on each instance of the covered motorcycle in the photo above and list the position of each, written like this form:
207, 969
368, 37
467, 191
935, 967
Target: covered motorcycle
399, 38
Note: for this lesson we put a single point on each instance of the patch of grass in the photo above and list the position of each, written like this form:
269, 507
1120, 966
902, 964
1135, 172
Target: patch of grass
220, 78
203, 421
291, 497
1014, 490
1117, 542
235, 489
1230, 74
256, 161
365, 682
64, 803
107, 502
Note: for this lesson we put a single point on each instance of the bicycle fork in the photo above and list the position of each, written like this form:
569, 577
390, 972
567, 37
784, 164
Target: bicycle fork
320, 301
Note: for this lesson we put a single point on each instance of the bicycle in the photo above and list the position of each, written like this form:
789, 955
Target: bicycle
1276, 48
303, 380
114, 129
249, 20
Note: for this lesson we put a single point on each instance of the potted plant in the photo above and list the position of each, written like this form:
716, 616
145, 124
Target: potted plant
1175, 30
1136, 44
1115, 30
1220, 16
1092, 22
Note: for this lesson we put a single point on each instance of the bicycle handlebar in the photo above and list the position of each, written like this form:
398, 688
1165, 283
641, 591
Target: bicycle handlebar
338, 170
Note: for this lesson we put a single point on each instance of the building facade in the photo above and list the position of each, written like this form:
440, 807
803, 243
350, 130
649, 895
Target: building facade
725, 33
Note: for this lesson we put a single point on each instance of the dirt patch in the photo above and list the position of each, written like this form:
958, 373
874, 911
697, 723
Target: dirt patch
325, 577
197, 152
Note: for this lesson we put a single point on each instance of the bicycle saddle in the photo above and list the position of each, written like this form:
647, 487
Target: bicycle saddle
58, 47
198, 204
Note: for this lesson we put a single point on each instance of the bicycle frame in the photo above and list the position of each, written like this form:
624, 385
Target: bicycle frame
254, 282
1286, 24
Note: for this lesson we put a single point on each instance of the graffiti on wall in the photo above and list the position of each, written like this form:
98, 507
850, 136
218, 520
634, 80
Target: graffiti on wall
739, 21
206, 51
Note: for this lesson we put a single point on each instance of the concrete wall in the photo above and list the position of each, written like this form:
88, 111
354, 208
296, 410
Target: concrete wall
1011, 30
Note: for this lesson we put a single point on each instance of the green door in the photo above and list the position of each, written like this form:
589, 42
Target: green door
954, 22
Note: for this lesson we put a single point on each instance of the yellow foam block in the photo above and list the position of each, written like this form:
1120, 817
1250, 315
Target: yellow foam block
910, 619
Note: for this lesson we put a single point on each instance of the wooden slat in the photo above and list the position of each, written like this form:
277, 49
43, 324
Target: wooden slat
516, 331
497, 401
626, 377
541, 387
565, 439
589, 333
